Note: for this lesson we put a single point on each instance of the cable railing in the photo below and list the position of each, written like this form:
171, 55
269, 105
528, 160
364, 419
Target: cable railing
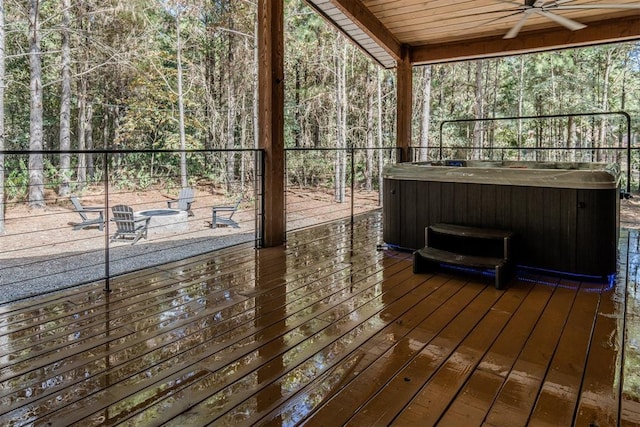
572, 137
48, 243
327, 184
53, 247
49, 247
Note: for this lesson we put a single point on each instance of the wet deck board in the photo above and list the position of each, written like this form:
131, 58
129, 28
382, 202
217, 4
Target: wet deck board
557, 400
472, 403
325, 331
435, 395
518, 393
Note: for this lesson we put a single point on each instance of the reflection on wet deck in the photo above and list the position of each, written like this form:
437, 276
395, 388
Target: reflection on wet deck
326, 331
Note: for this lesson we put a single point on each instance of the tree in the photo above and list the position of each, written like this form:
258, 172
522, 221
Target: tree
368, 172
83, 89
380, 139
608, 65
341, 119
520, 102
112, 72
65, 101
426, 113
478, 111
36, 167
2, 143
231, 106
183, 138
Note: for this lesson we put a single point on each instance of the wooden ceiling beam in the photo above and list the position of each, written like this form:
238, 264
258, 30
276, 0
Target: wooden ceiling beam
367, 22
615, 30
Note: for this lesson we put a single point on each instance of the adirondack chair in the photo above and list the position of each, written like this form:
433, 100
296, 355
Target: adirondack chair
217, 219
91, 216
128, 227
183, 201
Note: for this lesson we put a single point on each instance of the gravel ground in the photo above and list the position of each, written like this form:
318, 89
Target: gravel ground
40, 252
18, 281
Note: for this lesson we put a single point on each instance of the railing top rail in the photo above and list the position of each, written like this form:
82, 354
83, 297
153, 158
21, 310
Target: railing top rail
133, 151
338, 149
543, 116
532, 148
169, 151
626, 115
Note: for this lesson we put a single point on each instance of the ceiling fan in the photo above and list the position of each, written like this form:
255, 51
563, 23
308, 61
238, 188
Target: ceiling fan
548, 9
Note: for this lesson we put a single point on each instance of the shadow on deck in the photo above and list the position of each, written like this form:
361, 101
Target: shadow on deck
325, 331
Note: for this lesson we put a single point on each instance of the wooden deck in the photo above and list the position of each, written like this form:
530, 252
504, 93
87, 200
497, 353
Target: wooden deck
327, 331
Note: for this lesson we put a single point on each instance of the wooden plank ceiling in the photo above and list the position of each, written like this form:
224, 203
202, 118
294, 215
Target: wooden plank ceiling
442, 30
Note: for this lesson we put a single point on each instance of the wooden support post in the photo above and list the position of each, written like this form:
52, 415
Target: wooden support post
271, 117
404, 75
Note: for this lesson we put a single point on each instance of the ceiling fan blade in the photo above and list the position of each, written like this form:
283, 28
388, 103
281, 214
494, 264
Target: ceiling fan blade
596, 6
516, 28
566, 22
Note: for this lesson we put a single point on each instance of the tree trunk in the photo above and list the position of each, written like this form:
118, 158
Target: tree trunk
602, 138
622, 140
88, 139
231, 120
297, 120
341, 120
595, 134
368, 172
82, 89
65, 102
494, 110
571, 138
183, 138
36, 168
2, 144
243, 137
426, 113
81, 174
380, 140
116, 159
210, 80
478, 111
520, 105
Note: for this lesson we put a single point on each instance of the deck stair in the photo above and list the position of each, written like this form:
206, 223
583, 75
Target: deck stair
470, 247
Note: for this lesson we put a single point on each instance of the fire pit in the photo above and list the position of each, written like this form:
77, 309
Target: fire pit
165, 220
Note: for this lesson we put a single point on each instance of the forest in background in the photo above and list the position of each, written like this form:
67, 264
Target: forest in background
171, 74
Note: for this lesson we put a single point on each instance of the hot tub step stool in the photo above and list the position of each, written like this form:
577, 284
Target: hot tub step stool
471, 247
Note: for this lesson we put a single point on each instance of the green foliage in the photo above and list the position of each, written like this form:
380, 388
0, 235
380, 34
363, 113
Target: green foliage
17, 180
506, 137
133, 179
126, 56
309, 168
52, 176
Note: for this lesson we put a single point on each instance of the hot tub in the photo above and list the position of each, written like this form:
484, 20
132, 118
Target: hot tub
565, 215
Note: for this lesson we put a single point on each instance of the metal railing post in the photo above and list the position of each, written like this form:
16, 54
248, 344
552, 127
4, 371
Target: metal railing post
628, 117
353, 183
107, 269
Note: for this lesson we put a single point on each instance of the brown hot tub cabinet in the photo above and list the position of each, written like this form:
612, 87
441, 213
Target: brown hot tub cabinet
564, 215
